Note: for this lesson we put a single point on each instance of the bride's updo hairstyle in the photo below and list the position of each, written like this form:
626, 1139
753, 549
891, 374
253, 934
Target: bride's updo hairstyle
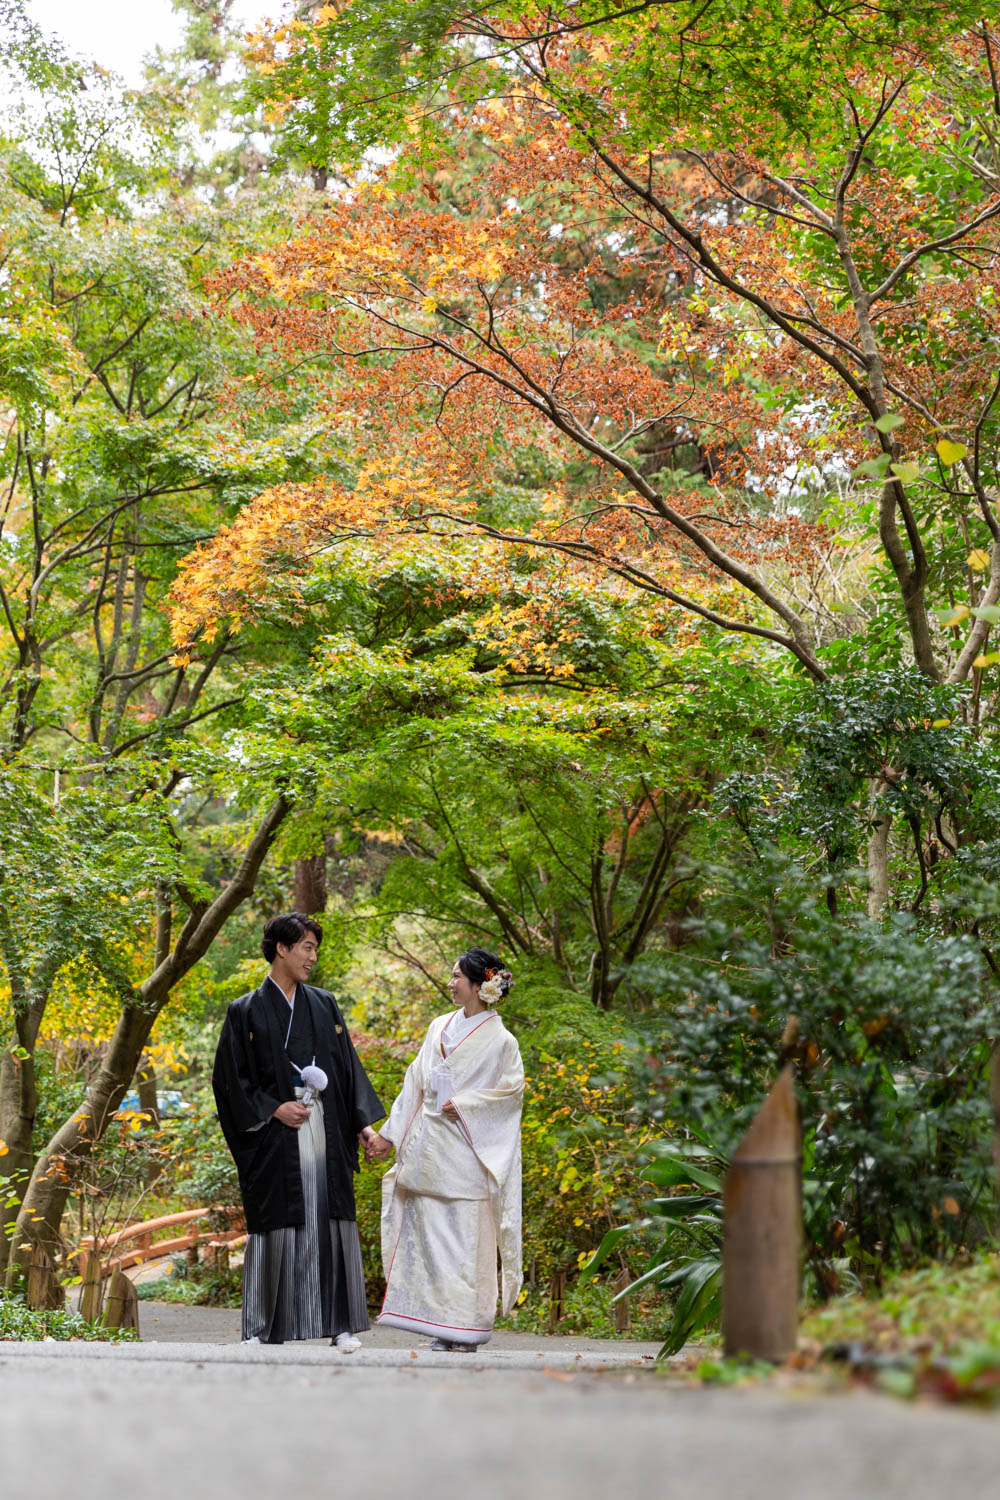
484, 969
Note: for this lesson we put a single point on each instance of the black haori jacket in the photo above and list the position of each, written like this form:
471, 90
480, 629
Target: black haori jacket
253, 1075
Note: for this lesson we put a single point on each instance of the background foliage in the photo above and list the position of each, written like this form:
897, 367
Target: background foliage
545, 461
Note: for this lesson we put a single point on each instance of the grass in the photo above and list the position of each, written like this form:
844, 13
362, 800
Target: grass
587, 1313
26, 1325
936, 1310
931, 1333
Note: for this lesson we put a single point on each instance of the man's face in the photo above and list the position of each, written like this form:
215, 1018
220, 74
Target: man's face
300, 959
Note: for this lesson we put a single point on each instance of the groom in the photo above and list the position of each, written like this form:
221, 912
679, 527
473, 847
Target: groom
295, 1156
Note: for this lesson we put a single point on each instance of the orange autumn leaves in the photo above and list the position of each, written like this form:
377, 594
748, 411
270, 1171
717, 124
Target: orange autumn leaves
252, 566
460, 341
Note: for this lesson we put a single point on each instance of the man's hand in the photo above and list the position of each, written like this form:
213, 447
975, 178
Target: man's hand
375, 1146
291, 1113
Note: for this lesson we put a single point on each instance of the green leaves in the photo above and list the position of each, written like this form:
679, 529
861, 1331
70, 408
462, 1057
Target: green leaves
677, 1170
352, 80
953, 616
874, 468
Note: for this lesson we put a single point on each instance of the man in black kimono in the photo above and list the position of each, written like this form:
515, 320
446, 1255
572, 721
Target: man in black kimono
302, 1274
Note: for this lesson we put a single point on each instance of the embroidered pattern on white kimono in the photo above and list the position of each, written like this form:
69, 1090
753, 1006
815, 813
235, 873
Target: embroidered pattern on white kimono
454, 1195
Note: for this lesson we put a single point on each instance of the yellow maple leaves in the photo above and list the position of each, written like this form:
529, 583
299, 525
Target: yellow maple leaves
276, 537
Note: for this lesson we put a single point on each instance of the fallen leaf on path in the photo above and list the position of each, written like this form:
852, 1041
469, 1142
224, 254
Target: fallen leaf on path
557, 1374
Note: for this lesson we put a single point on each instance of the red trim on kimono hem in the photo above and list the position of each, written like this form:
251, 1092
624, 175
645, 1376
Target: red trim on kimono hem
455, 1328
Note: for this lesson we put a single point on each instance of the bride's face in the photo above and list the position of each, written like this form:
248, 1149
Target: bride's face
462, 989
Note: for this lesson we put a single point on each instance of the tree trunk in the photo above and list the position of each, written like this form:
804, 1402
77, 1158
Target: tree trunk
600, 993
40, 1217
18, 1106
310, 885
878, 857
145, 1082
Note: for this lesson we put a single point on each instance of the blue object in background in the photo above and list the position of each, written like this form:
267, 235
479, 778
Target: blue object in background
168, 1102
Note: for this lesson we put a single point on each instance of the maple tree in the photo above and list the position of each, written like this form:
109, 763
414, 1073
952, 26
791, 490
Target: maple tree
593, 741
784, 285
565, 490
732, 343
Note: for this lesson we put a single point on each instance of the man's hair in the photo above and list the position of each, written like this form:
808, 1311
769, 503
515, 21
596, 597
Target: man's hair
289, 929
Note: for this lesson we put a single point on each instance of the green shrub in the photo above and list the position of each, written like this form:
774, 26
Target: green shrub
22, 1323
195, 1286
896, 1038
385, 1061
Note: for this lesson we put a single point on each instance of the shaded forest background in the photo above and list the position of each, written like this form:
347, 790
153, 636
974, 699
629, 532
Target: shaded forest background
524, 476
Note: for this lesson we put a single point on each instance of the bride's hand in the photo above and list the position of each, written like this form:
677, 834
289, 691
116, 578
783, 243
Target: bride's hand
450, 1109
376, 1146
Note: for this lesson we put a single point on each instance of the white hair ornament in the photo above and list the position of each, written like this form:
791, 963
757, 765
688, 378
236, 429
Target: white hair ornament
496, 985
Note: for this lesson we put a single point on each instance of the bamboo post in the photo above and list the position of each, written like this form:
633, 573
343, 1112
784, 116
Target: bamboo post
43, 1290
623, 1320
91, 1293
121, 1309
557, 1296
762, 1205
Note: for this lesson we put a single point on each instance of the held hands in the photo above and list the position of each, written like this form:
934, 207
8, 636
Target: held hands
291, 1113
375, 1146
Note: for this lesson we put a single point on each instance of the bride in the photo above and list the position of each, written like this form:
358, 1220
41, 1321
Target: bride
453, 1196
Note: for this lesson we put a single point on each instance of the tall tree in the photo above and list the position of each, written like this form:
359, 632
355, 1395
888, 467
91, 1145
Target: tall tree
117, 452
792, 226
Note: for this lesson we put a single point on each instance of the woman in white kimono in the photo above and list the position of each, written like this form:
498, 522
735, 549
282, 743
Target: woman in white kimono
453, 1197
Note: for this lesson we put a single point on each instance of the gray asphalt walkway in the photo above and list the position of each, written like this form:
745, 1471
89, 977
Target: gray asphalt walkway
155, 1421
172, 1323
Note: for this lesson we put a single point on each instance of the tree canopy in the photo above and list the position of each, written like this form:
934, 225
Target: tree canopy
525, 475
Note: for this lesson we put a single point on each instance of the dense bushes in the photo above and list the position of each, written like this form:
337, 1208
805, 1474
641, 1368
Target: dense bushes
895, 1041
579, 1134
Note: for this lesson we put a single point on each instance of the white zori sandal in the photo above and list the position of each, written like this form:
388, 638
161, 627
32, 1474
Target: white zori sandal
346, 1343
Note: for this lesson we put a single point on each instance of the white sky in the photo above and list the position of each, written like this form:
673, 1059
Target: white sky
117, 33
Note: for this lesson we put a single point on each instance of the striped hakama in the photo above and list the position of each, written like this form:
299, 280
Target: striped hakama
306, 1281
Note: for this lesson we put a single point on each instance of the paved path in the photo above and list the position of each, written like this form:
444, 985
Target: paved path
157, 1421
173, 1323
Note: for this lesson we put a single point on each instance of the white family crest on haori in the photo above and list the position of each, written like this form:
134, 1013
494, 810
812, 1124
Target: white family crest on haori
453, 1197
